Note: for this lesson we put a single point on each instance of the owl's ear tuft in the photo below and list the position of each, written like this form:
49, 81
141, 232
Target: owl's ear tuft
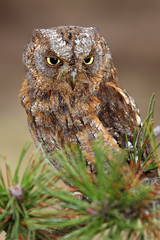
96, 30
37, 34
36, 30
30, 48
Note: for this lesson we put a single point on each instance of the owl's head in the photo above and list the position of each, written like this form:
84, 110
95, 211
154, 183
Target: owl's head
70, 56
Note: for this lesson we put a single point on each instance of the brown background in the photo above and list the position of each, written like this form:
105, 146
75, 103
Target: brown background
131, 27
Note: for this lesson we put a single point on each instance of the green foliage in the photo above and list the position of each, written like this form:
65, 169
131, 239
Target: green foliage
109, 203
141, 140
21, 198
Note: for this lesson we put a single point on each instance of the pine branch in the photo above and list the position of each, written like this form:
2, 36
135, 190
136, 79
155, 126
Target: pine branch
111, 204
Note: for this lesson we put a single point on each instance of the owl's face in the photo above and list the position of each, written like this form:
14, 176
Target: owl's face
69, 56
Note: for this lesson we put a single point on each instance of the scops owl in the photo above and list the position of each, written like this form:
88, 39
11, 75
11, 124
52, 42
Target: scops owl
71, 92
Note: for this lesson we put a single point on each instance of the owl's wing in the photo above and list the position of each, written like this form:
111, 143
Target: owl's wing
118, 112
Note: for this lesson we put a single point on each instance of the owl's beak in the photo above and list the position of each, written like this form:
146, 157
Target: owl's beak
72, 80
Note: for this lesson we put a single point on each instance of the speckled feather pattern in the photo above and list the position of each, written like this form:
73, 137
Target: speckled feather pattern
59, 114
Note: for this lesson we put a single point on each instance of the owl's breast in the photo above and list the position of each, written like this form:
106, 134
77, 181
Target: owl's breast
56, 119
73, 119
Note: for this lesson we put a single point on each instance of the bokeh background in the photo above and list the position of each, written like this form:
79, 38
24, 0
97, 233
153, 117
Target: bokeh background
131, 28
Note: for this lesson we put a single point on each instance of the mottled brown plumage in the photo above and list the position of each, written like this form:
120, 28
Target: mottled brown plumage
71, 92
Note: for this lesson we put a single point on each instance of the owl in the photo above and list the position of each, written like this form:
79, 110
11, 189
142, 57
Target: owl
71, 92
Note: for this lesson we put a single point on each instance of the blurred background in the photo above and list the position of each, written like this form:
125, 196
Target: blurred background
131, 28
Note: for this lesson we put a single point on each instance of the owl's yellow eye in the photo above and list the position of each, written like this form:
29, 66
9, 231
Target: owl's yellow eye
52, 61
88, 60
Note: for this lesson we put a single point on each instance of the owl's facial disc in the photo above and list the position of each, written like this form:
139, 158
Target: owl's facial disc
73, 75
71, 71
